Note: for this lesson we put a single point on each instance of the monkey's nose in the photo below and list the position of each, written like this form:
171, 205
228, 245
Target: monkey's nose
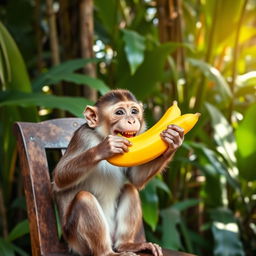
131, 121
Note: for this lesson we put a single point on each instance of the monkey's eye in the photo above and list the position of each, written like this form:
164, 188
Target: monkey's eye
119, 112
135, 111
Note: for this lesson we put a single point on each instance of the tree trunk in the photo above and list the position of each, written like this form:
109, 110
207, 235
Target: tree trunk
86, 37
65, 30
170, 26
170, 30
54, 44
38, 34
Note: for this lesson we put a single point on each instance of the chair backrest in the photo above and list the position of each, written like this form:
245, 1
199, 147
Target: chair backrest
34, 139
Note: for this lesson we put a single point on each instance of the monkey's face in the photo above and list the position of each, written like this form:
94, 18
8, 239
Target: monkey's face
124, 117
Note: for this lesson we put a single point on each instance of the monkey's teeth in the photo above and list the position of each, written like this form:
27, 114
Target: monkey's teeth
129, 134
126, 134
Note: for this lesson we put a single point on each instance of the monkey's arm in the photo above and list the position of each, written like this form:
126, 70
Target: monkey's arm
83, 154
80, 157
140, 175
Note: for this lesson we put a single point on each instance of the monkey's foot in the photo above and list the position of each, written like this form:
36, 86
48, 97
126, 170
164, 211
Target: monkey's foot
123, 254
155, 249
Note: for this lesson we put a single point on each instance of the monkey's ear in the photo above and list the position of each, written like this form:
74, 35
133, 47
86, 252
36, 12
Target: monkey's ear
91, 116
141, 105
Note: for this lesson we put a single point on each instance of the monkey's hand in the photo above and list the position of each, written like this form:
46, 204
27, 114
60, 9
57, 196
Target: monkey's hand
173, 136
111, 146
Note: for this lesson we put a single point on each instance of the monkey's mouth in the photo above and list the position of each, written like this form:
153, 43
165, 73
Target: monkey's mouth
127, 134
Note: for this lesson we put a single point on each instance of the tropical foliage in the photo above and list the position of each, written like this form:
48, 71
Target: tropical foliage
200, 53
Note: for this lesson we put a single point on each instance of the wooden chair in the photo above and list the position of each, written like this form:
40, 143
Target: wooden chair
34, 141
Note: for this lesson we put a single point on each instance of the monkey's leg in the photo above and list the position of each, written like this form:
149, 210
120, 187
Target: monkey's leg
86, 228
129, 221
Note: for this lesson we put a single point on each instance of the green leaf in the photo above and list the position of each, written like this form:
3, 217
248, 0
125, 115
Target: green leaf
225, 233
6, 248
74, 105
19, 202
197, 238
81, 79
213, 160
71, 66
246, 84
226, 242
58, 222
213, 170
149, 200
107, 11
248, 78
16, 75
226, 17
5, 70
19, 251
134, 48
159, 184
183, 205
149, 72
214, 75
186, 236
55, 73
246, 142
224, 137
170, 234
19, 230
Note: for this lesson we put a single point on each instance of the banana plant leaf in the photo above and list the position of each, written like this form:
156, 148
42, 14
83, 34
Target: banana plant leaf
65, 72
15, 77
150, 201
9, 249
213, 75
225, 233
246, 142
171, 237
107, 11
21, 229
224, 137
134, 48
246, 84
206, 157
74, 105
173, 226
147, 75
225, 15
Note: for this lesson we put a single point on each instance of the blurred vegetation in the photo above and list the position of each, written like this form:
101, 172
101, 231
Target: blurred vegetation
201, 53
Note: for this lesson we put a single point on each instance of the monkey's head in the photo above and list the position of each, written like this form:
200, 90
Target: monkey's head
116, 112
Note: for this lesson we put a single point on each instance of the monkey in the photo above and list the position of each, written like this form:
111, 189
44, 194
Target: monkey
98, 203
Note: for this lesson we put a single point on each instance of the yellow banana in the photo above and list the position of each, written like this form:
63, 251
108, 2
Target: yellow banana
170, 114
149, 145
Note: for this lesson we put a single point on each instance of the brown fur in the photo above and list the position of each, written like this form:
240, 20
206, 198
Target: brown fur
115, 96
89, 233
